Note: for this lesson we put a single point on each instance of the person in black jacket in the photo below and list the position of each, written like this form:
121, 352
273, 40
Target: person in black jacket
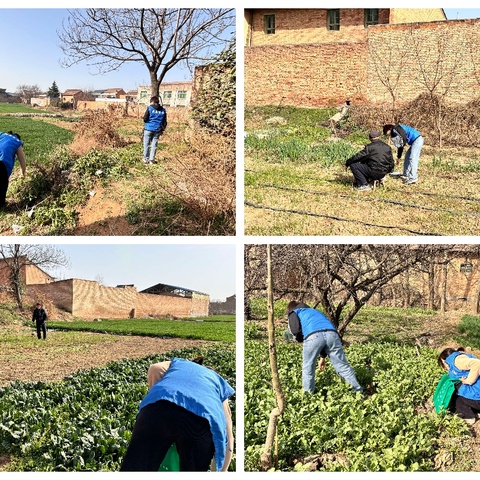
40, 317
372, 163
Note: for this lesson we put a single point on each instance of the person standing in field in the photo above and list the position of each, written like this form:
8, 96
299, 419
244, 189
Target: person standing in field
11, 146
155, 119
403, 135
320, 339
40, 317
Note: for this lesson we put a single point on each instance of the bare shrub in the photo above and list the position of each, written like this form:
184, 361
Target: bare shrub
98, 129
195, 193
463, 120
204, 179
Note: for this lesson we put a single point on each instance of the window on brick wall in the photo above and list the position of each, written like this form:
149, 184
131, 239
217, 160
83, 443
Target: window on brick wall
182, 94
167, 94
333, 19
269, 24
371, 16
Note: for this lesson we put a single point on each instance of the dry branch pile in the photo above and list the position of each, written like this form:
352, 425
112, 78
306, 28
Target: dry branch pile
461, 122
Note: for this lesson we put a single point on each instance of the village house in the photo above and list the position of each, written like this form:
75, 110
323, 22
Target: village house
173, 94
88, 299
72, 96
322, 57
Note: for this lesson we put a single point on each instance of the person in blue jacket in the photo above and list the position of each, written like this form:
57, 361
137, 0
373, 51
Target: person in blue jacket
187, 404
403, 135
11, 147
320, 339
465, 367
155, 119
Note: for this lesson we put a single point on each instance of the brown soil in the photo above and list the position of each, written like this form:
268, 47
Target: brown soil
44, 364
104, 214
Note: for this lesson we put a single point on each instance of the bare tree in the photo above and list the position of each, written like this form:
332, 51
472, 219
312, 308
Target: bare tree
266, 458
27, 92
439, 70
388, 65
340, 278
17, 257
160, 38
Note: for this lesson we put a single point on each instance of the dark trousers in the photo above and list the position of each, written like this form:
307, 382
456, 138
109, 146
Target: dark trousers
41, 328
160, 424
464, 407
363, 175
3, 184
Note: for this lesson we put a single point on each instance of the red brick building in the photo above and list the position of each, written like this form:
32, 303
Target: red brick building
321, 57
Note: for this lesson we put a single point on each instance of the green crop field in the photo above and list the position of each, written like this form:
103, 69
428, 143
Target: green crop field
18, 108
84, 422
393, 427
221, 328
39, 137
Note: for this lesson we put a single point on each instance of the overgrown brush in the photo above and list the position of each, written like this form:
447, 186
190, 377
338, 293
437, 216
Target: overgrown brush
56, 187
438, 121
97, 130
195, 195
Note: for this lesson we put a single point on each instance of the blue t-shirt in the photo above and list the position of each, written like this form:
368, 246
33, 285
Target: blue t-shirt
8, 148
468, 391
312, 321
155, 119
200, 391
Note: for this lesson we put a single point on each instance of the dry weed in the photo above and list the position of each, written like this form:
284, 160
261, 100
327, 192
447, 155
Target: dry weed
98, 129
456, 124
204, 178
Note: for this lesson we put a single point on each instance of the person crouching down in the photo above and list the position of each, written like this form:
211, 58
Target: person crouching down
186, 405
372, 163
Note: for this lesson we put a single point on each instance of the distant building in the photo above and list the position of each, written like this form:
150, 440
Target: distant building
72, 96
173, 94
112, 93
7, 97
228, 307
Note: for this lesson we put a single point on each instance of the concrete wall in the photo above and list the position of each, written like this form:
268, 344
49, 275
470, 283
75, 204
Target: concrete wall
324, 74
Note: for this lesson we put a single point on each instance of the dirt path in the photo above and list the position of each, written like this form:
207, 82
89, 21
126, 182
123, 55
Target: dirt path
60, 356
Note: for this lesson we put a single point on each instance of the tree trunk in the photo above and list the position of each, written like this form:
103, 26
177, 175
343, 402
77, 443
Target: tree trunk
154, 84
266, 458
431, 286
443, 302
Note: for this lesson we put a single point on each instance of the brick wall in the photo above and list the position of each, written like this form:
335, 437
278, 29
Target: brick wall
407, 15
303, 26
446, 49
88, 300
92, 300
325, 74
34, 275
61, 293
148, 305
305, 75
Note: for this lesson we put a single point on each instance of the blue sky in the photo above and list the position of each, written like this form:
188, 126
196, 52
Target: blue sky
31, 56
454, 13
205, 268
